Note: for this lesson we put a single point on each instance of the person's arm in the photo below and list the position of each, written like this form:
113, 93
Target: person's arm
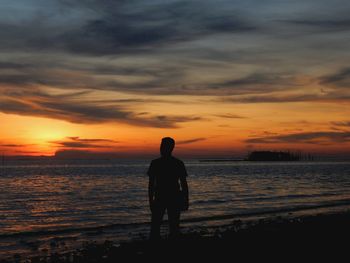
184, 186
151, 187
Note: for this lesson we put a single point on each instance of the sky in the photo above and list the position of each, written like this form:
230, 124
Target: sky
222, 78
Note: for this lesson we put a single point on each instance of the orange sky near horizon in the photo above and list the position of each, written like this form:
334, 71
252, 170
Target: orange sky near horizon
222, 132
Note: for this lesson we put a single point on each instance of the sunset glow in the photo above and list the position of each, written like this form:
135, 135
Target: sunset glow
235, 77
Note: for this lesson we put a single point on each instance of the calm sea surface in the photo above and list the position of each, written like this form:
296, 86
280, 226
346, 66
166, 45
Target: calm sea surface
45, 202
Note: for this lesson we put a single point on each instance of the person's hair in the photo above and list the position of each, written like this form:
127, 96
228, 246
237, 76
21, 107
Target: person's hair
169, 143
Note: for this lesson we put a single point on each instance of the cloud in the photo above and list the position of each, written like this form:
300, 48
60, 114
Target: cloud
108, 27
341, 123
339, 24
15, 145
155, 80
306, 137
258, 79
241, 51
93, 154
12, 65
322, 95
189, 141
27, 153
229, 116
70, 107
114, 29
276, 98
77, 139
255, 83
76, 142
340, 79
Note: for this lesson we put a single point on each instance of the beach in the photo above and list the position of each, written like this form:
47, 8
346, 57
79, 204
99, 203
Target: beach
275, 238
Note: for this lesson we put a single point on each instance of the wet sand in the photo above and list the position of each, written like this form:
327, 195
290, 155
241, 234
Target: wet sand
279, 239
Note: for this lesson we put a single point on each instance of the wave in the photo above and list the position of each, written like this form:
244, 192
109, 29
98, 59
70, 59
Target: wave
263, 198
336, 203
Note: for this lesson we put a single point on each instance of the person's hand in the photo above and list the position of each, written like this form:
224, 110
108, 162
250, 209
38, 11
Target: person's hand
151, 205
185, 205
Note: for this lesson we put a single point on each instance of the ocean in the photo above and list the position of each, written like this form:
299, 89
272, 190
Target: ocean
52, 205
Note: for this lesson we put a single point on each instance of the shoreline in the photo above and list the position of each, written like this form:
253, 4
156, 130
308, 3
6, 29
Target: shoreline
265, 235
44, 243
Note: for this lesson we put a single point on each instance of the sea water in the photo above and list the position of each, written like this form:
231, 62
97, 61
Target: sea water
51, 204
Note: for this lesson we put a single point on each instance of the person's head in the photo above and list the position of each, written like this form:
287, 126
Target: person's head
167, 146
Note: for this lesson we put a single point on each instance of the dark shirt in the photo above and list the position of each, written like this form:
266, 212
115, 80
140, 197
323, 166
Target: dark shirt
167, 171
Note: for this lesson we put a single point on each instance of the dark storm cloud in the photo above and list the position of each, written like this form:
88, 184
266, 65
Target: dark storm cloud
306, 137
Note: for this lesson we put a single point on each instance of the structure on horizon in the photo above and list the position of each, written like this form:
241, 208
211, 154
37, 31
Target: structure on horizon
279, 156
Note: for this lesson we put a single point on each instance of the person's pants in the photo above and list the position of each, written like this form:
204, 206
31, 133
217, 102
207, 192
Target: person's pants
158, 212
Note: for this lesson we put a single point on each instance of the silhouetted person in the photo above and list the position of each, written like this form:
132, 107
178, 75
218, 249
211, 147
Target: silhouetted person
167, 189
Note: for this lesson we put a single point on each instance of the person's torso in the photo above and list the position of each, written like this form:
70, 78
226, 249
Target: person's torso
167, 174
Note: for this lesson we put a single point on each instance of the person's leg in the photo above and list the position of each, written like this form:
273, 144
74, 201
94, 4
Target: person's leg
157, 218
174, 221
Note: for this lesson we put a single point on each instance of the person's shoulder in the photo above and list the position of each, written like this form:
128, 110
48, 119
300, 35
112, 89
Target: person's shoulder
155, 161
178, 161
153, 166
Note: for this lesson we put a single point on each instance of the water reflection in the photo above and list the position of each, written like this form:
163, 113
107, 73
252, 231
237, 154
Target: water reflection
41, 197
